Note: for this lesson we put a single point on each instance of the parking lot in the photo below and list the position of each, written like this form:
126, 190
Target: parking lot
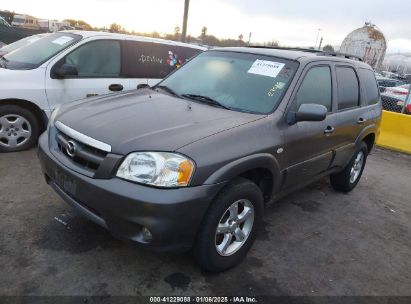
314, 242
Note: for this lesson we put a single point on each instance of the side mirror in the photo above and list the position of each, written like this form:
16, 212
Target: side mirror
308, 112
143, 86
311, 112
66, 70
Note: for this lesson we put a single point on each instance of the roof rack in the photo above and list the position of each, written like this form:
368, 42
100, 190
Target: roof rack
338, 54
318, 52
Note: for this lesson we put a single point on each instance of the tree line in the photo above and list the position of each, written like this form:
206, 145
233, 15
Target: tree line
204, 38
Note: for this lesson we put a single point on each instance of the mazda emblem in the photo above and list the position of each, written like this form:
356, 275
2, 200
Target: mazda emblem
71, 148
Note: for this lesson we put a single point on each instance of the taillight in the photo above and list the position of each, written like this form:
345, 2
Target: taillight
396, 92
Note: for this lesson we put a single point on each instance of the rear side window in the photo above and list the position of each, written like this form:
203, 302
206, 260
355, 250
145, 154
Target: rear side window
97, 59
348, 88
156, 60
370, 84
316, 88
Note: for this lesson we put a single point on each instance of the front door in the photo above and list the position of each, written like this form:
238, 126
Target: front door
309, 144
98, 64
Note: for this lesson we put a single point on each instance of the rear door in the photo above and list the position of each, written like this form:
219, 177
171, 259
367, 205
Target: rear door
99, 64
309, 144
350, 116
139, 62
150, 61
173, 57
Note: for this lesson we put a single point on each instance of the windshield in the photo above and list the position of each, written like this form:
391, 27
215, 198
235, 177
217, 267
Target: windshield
20, 43
34, 54
237, 81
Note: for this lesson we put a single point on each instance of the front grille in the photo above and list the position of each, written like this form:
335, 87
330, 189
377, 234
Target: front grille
81, 154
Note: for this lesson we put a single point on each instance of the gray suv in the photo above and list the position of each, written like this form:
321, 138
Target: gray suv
193, 161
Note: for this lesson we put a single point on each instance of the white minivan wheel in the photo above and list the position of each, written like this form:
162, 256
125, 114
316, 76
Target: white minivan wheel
19, 128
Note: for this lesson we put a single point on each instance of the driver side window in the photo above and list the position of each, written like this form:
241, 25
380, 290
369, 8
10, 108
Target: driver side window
315, 89
97, 59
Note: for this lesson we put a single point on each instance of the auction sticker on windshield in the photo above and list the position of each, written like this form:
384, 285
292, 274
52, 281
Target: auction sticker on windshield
266, 68
62, 40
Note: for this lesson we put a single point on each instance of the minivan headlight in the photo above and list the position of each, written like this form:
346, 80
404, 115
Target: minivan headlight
161, 169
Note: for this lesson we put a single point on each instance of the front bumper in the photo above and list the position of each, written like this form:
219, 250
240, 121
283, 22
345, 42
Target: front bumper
172, 215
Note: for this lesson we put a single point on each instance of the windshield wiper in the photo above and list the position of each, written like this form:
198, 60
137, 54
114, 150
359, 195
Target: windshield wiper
206, 100
168, 90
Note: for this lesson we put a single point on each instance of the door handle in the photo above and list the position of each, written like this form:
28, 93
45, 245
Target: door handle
329, 130
115, 87
361, 120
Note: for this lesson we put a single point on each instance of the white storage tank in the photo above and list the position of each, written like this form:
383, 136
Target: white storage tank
367, 43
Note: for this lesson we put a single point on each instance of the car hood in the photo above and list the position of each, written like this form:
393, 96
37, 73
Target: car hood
148, 120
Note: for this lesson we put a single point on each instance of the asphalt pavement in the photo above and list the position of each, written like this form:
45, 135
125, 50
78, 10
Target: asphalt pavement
314, 242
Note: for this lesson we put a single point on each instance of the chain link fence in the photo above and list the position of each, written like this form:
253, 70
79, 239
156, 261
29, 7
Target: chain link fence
396, 99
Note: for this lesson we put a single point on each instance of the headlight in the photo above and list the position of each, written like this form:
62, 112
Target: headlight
161, 169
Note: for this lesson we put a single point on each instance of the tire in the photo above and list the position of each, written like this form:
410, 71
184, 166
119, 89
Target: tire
19, 128
344, 181
248, 198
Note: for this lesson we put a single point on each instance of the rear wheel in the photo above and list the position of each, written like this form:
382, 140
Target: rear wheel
19, 128
346, 180
229, 227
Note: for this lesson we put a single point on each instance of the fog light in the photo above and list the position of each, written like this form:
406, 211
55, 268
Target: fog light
147, 236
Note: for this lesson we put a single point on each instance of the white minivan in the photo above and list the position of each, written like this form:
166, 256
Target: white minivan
71, 65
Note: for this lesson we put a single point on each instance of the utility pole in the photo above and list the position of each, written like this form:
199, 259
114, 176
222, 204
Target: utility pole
321, 42
316, 40
249, 38
183, 35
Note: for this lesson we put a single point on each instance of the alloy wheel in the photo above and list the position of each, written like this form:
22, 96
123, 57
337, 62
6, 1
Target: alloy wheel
356, 167
234, 227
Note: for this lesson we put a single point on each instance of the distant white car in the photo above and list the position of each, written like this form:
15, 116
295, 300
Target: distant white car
399, 92
71, 65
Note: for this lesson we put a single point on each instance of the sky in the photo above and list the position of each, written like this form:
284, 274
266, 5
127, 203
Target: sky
291, 22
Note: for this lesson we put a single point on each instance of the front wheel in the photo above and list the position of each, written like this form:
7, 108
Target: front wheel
19, 128
229, 227
346, 180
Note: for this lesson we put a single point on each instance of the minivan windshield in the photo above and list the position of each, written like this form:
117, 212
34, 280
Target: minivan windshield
237, 81
34, 54
20, 43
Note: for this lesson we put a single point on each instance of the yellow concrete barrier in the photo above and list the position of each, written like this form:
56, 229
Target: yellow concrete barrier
395, 132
